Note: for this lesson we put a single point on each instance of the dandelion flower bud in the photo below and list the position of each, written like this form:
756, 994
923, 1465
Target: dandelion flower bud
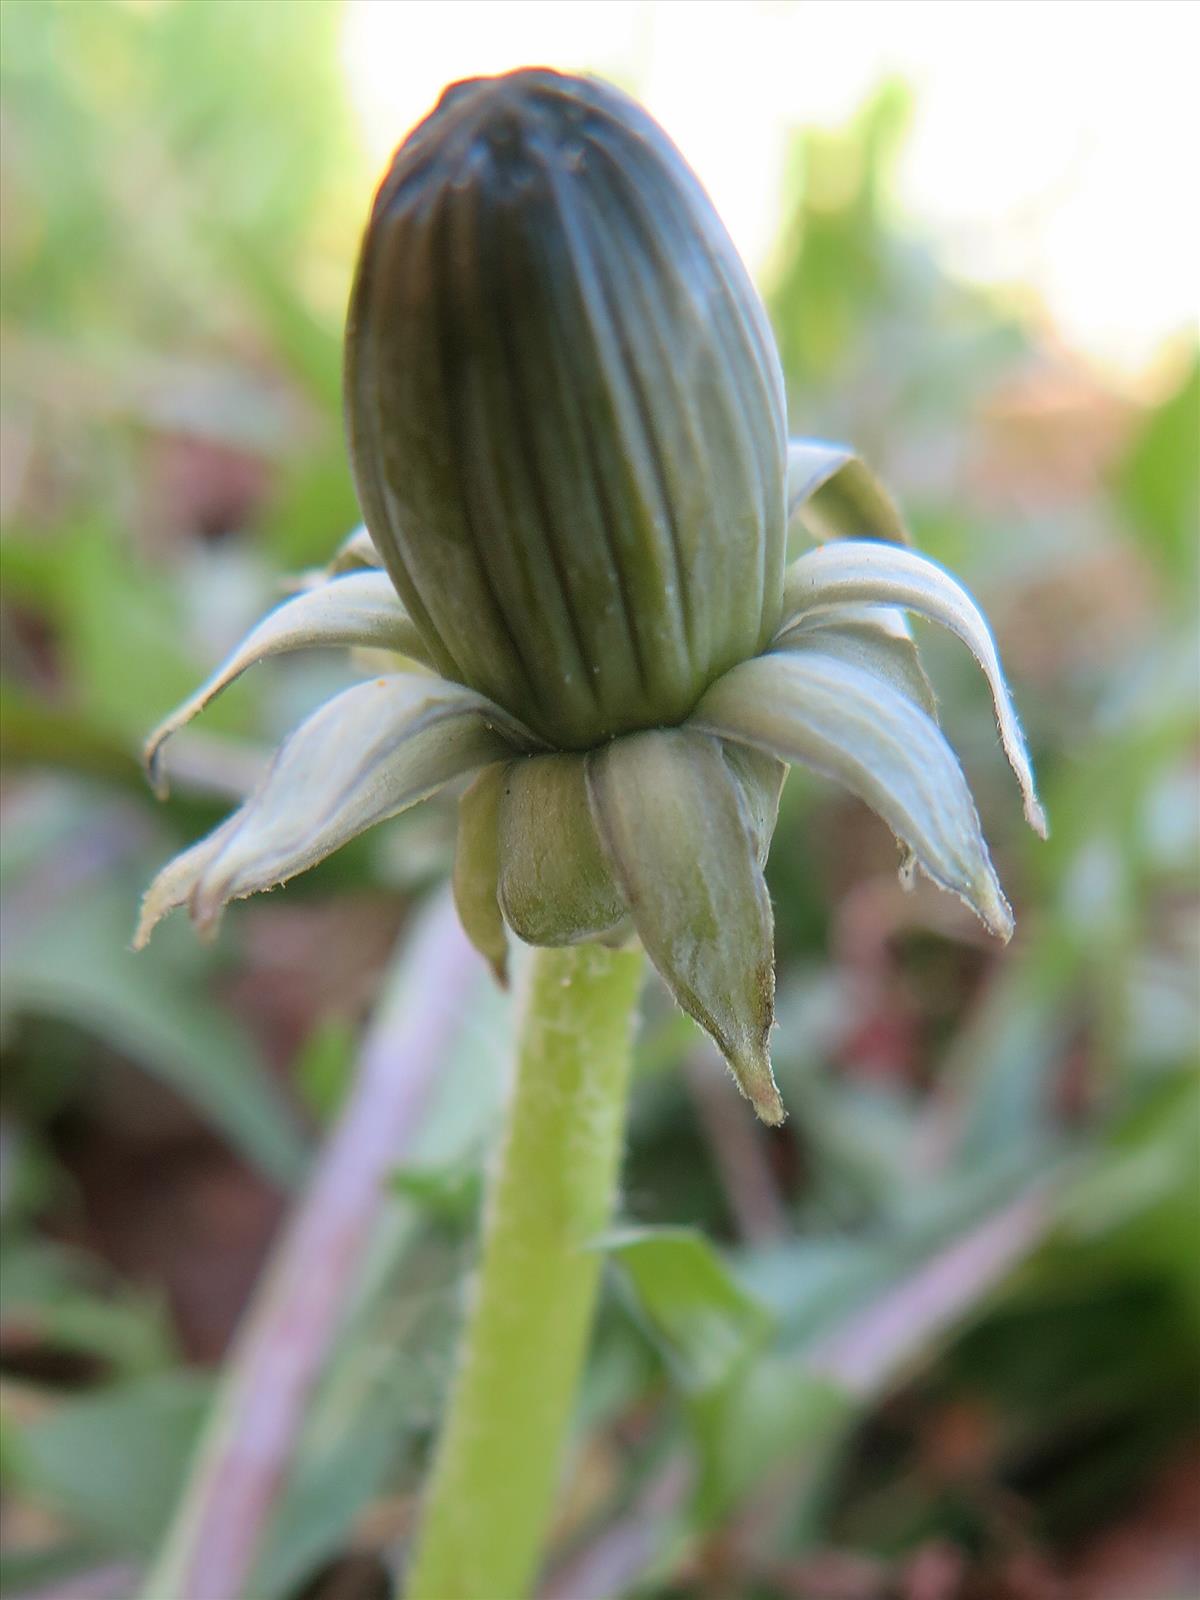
566, 410
567, 425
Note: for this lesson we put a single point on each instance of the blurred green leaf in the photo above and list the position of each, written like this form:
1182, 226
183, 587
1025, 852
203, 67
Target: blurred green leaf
119, 627
35, 734
121, 637
30, 1571
324, 1066
74, 962
1002, 1063
312, 506
112, 101
1137, 1203
57, 1298
771, 1416
838, 259
113, 1461
450, 1193
1158, 483
311, 349
328, 1489
703, 1323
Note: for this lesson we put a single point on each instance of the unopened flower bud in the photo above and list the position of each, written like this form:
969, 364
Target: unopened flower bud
566, 410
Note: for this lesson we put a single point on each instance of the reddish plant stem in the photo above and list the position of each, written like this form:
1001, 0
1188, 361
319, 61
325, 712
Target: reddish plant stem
284, 1342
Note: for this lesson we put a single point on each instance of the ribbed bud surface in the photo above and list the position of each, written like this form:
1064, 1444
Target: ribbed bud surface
565, 410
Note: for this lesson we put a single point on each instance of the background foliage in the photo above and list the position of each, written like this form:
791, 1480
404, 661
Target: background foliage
938, 1337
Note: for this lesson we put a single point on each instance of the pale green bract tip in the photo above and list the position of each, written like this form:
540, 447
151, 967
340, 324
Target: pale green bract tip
359, 610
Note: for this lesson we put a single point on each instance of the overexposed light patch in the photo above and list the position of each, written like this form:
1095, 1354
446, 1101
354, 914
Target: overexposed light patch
400, 54
1051, 145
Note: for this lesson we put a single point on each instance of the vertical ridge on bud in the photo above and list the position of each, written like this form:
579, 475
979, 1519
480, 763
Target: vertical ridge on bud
565, 410
501, 482
718, 358
742, 329
642, 533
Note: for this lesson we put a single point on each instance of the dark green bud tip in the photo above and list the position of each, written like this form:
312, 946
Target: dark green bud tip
565, 410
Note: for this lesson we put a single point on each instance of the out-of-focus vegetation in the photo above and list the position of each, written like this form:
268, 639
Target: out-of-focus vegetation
938, 1337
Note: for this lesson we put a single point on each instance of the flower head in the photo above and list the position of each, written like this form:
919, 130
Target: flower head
565, 410
567, 427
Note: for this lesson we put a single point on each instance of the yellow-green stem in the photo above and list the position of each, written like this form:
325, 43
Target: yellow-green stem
497, 1465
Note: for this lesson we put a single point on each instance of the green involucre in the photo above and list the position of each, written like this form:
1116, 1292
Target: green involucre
566, 410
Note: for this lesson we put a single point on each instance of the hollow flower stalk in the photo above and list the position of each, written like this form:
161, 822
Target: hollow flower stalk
567, 425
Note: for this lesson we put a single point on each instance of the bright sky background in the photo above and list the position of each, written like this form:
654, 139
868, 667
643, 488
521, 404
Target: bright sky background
1054, 145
